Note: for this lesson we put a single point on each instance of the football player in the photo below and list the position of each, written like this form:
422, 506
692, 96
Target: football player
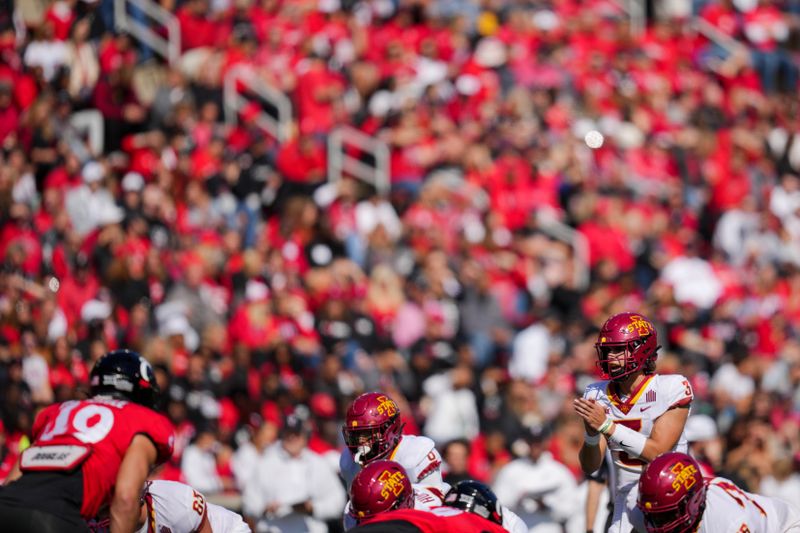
373, 430
91, 454
383, 486
674, 497
635, 412
469, 506
178, 508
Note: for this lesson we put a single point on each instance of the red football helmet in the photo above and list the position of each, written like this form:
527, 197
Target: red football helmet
372, 427
635, 336
379, 487
672, 494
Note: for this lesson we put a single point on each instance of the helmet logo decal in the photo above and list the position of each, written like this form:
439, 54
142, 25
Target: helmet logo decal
386, 406
685, 475
392, 483
144, 366
639, 325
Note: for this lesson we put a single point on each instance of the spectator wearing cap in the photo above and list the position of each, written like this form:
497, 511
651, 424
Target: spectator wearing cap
294, 489
704, 443
538, 488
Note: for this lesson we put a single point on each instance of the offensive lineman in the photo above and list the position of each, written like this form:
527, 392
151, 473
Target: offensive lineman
90, 454
675, 498
639, 413
178, 508
469, 506
383, 486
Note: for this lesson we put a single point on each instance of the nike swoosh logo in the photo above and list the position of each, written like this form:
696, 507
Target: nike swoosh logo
643, 409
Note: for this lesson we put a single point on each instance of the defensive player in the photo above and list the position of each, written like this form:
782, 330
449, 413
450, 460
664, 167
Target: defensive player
637, 413
90, 454
675, 498
373, 431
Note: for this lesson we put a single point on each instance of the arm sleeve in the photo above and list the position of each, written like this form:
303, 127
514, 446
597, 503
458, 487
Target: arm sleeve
328, 497
159, 430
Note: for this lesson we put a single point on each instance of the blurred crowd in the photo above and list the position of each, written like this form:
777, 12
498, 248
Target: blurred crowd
259, 289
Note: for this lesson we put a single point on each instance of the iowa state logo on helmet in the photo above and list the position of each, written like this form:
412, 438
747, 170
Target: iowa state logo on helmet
640, 325
386, 406
392, 483
685, 476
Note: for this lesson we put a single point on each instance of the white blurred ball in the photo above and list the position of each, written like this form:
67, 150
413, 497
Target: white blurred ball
594, 139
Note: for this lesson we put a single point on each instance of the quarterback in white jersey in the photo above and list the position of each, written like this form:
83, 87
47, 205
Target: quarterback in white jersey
675, 498
373, 431
639, 414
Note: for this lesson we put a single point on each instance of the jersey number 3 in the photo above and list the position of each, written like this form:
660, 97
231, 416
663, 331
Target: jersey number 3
89, 424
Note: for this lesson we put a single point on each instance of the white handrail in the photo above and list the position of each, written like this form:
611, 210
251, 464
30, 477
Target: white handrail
577, 240
279, 126
169, 48
339, 161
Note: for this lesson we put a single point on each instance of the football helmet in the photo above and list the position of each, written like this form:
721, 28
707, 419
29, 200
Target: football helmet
126, 375
672, 494
379, 487
633, 335
372, 427
475, 497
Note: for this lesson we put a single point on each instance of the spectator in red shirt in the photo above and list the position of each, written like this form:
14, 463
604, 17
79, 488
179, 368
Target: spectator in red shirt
767, 29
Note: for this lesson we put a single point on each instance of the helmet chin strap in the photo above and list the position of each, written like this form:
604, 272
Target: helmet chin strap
362, 451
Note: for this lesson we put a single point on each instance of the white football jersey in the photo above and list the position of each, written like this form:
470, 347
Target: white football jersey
656, 395
729, 509
417, 455
178, 508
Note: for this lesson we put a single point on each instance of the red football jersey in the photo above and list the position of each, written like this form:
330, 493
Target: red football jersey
97, 432
441, 520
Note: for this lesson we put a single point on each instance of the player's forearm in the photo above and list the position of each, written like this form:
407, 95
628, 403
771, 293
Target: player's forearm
125, 512
590, 458
595, 490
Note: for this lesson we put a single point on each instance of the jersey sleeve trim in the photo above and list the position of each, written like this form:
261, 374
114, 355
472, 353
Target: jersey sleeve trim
204, 519
683, 402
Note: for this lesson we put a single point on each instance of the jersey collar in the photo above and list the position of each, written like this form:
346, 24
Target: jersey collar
627, 405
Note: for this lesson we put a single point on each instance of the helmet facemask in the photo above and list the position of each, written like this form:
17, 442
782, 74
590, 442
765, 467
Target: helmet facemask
372, 442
